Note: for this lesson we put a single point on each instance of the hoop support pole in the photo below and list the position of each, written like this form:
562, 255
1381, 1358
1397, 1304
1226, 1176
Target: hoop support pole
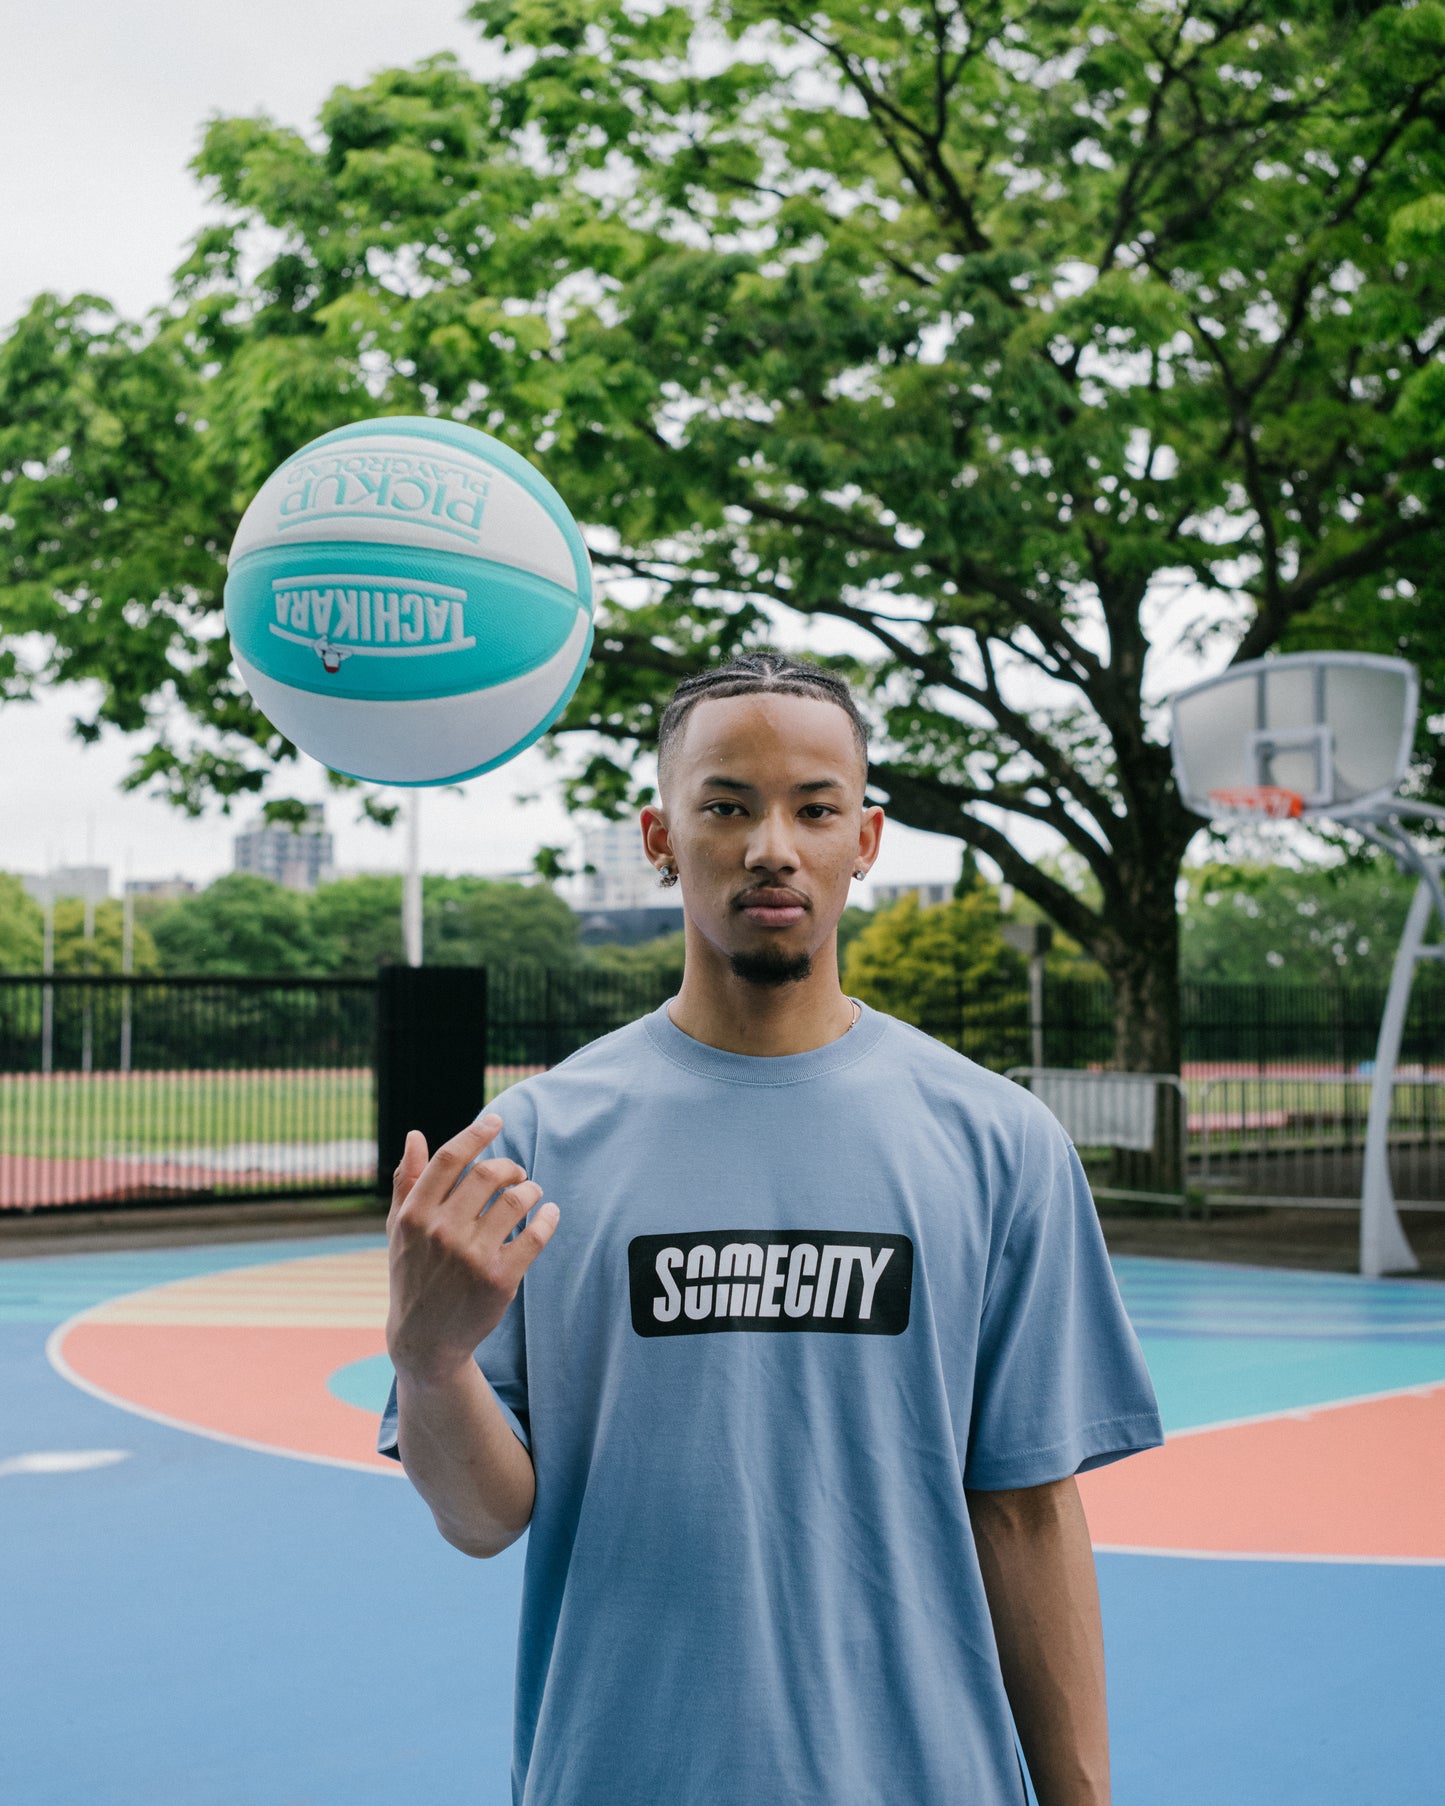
1383, 1245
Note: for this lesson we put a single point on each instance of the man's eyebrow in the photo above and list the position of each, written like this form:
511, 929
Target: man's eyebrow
721, 783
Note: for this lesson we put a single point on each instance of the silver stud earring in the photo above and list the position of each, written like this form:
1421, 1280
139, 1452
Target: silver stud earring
860, 874
667, 876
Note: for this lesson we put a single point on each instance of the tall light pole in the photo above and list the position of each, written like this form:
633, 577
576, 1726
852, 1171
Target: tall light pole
127, 961
47, 995
1033, 940
411, 883
87, 1031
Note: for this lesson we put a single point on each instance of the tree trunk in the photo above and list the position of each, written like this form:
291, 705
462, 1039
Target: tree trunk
1144, 968
1145, 977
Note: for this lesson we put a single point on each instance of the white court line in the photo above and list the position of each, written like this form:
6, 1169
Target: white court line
1302, 1413
61, 1461
1352, 1561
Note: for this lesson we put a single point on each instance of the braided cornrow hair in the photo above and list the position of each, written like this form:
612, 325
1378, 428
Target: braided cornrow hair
750, 674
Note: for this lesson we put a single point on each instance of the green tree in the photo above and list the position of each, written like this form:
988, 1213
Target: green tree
104, 950
481, 922
851, 924
979, 329
240, 926
943, 968
22, 927
659, 959
1250, 924
355, 923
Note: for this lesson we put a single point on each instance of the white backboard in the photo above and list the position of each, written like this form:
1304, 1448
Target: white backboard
1305, 733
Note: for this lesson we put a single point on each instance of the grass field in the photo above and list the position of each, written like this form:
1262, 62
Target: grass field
89, 1115
92, 1115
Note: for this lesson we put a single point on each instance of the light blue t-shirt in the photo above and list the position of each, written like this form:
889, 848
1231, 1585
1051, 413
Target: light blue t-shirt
793, 1307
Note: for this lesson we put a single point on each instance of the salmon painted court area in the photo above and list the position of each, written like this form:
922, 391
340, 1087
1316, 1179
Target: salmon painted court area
195, 1510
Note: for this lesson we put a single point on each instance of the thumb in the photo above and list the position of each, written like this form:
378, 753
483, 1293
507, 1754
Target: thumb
411, 1166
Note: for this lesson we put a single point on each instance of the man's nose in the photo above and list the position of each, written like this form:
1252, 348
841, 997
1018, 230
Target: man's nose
771, 845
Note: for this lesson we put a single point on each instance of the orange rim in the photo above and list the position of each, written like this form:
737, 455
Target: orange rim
1258, 799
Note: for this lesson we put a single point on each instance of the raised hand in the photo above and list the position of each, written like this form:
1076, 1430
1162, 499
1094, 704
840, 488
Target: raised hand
453, 1271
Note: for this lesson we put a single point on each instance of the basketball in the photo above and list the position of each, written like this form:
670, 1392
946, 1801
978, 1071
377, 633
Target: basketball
409, 601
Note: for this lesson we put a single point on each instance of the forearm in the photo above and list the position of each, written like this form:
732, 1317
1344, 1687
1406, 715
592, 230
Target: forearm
463, 1457
1043, 1596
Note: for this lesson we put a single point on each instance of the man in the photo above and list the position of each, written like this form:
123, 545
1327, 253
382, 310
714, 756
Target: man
794, 1403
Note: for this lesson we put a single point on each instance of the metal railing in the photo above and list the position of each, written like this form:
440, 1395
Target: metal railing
1300, 1139
1129, 1129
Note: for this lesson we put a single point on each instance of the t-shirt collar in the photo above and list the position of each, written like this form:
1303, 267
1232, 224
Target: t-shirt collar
764, 1069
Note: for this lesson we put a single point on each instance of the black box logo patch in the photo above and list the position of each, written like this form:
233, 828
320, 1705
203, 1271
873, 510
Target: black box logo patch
789, 1279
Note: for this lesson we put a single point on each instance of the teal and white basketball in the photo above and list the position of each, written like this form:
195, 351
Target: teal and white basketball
409, 601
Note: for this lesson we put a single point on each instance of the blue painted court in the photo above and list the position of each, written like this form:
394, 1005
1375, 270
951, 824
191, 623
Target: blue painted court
214, 1596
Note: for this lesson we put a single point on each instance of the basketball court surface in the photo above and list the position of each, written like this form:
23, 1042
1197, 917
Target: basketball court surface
216, 1594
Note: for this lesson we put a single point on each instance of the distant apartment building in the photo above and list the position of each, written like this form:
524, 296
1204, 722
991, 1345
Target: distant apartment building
621, 876
619, 902
162, 889
927, 894
298, 857
90, 883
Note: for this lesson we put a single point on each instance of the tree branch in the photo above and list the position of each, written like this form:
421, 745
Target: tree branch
936, 809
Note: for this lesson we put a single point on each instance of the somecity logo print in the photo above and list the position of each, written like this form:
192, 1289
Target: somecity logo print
837, 1282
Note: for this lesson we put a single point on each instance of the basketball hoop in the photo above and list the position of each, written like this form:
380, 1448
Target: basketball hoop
1270, 800
1326, 736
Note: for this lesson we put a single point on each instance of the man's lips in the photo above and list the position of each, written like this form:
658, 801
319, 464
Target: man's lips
773, 908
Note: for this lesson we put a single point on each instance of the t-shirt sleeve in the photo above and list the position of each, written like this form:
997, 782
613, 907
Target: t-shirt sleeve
502, 1356
1060, 1383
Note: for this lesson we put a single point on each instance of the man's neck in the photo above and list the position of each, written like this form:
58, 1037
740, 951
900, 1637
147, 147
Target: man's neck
721, 1010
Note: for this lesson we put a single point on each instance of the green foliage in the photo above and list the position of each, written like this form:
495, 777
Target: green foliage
240, 926
22, 935
1253, 924
549, 863
22, 927
355, 924
480, 922
932, 967
247, 925
851, 924
104, 951
660, 958
975, 330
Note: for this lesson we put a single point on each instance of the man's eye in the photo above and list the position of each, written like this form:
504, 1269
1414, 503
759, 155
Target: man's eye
721, 805
817, 811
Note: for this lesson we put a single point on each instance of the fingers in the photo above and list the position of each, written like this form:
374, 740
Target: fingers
482, 1201
410, 1167
519, 1253
432, 1181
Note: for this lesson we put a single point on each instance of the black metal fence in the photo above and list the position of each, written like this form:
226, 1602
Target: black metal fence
1224, 1028
1233, 1028
129, 1089
116, 1090
103, 1023
536, 1017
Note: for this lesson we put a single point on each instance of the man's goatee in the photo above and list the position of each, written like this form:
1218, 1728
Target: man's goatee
770, 968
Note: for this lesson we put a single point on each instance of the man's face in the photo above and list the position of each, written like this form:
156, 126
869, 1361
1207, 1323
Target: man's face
763, 818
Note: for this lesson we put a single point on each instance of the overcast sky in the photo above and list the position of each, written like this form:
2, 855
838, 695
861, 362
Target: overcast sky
101, 107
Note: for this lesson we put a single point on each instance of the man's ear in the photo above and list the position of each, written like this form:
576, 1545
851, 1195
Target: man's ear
870, 834
656, 841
